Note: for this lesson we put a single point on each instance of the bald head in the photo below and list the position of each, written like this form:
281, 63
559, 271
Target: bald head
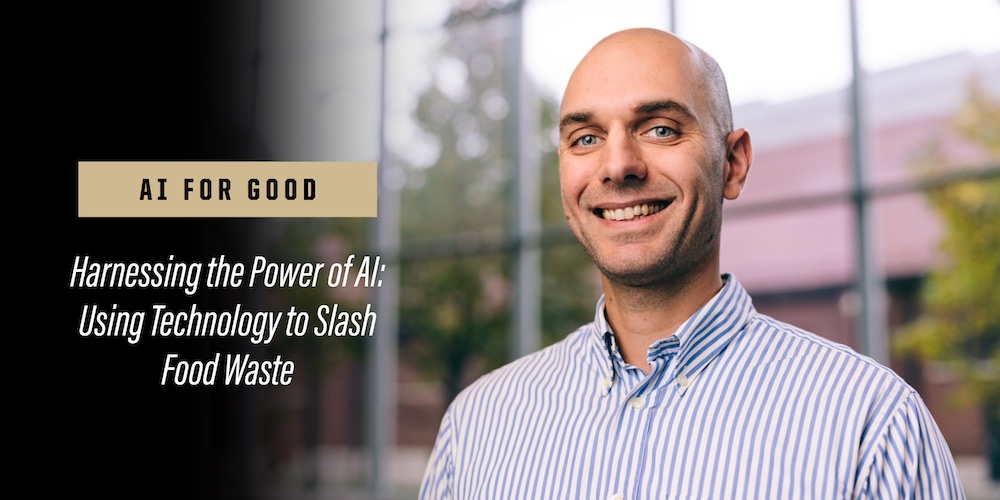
665, 52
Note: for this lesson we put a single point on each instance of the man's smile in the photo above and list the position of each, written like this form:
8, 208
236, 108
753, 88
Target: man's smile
631, 211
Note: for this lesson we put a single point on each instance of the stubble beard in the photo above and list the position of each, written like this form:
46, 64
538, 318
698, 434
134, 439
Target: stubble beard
674, 266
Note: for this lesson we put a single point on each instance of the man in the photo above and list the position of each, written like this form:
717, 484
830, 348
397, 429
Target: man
679, 388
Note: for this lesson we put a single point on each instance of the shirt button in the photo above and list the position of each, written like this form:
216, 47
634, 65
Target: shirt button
604, 385
617, 496
637, 403
683, 380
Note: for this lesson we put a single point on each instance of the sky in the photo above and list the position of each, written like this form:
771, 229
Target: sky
321, 56
752, 39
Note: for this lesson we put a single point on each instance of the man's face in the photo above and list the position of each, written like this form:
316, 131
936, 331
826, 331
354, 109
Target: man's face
642, 165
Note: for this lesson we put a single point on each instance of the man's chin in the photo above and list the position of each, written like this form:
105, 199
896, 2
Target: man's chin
635, 275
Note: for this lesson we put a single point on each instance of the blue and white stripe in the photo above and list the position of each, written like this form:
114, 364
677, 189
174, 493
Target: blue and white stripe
737, 405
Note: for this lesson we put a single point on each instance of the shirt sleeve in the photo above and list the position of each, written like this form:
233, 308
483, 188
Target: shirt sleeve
910, 459
439, 475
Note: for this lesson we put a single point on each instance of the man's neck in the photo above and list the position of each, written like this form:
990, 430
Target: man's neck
640, 316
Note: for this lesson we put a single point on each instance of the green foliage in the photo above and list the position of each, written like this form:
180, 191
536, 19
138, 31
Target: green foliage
317, 240
960, 321
454, 313
455, 303
453, 309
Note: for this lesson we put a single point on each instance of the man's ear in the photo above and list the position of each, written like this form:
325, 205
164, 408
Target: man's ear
739, 156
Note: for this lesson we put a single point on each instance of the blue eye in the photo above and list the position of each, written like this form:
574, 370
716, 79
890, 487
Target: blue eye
662, 131
586, 140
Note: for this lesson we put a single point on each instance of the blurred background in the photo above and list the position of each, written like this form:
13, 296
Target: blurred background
871, 214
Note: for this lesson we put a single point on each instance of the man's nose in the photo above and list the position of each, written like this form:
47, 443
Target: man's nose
622, 160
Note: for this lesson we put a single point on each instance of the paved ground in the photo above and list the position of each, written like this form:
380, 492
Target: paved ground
975, 479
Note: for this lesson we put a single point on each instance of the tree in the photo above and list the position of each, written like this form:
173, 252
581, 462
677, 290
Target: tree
455, 303
960, 321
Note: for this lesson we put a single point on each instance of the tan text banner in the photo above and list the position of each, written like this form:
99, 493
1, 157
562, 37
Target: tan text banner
227, 189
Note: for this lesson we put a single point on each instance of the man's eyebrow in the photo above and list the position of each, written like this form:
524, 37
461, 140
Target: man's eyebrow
648, 108
573, 118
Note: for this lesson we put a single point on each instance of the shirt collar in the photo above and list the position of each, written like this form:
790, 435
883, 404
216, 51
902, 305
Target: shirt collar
702, 337
607, 357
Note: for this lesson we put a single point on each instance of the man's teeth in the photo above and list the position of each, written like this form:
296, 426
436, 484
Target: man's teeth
629, 213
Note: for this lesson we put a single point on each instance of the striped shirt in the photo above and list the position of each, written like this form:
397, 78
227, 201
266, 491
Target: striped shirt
737, 405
